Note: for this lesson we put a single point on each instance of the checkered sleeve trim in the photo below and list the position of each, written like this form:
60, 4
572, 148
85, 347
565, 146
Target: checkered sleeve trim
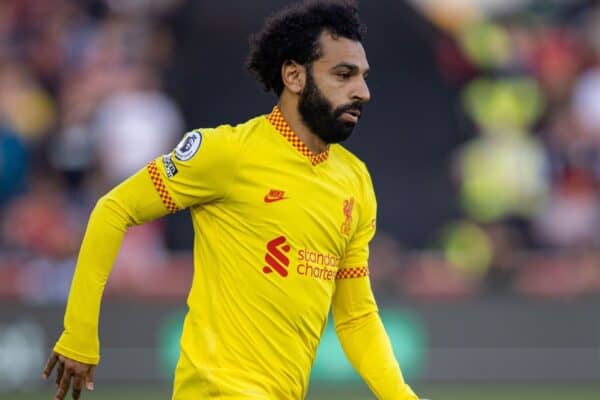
276, 119
160, 187
350, 273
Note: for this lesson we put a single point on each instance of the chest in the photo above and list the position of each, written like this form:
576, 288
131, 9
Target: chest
315, 209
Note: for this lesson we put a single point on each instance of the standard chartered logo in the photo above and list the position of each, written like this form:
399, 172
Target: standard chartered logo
310, 264
276, 257
317, 265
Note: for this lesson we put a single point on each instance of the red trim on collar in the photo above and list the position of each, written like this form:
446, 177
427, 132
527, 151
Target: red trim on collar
281, 125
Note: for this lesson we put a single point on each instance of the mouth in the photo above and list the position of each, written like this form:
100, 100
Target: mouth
352, 115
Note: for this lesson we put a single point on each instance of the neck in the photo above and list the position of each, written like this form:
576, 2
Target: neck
289, 109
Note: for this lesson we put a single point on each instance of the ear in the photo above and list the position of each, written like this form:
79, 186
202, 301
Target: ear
293, 76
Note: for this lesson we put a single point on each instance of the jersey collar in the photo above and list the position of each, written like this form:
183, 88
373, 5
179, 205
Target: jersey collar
280, 124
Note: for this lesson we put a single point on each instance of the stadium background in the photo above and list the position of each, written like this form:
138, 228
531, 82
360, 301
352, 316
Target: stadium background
483, 139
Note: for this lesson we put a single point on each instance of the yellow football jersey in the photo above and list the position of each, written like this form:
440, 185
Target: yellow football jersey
276, 226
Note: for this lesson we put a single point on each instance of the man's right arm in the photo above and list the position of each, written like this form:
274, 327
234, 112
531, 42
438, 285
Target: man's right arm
133, 202
199, 170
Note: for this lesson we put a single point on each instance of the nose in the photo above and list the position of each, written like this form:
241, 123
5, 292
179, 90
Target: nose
361, 91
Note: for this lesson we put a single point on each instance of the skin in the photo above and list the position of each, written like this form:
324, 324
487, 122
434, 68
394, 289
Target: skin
340, 73
69, 372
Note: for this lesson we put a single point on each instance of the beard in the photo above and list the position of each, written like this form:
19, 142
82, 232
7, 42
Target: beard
319, 115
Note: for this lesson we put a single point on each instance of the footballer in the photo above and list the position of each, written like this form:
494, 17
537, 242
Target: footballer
283, 216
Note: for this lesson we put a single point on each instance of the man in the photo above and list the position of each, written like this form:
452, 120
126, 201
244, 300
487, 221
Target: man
283, 216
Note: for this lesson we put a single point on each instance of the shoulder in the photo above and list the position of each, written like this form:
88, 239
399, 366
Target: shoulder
244, 129
354, 165
237, 135
226, 139
359, 177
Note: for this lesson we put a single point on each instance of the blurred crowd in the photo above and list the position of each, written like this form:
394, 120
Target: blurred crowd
84, 102
528, 180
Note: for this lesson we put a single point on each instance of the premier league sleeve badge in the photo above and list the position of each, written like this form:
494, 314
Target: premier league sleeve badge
188, 146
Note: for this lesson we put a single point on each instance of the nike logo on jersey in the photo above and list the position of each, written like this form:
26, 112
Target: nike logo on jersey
275, 195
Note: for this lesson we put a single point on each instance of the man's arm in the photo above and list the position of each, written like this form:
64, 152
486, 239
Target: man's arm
364, 340
133, 202
355, 313
200, 170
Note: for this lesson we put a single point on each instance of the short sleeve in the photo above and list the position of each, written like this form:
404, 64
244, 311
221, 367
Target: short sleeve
356, 259
199, 170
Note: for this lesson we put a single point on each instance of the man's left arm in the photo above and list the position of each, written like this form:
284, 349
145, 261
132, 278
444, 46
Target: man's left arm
355, 314
364, 340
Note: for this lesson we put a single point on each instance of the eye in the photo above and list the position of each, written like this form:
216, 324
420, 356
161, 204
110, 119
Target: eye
343, 75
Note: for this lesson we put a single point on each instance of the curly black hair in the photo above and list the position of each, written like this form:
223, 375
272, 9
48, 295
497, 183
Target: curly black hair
293, 34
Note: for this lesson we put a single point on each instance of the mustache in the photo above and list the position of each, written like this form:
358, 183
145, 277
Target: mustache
354, 106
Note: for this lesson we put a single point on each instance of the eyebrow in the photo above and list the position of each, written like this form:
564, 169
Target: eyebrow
352, 67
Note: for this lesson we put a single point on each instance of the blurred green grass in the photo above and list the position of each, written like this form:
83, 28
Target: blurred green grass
433, 392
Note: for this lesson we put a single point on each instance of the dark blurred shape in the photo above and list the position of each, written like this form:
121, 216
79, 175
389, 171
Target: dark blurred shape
13, 165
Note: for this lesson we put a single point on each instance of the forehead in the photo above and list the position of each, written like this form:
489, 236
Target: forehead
336, 50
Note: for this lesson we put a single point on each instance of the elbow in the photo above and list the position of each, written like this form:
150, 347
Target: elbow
110, 210
105, 204
349, 322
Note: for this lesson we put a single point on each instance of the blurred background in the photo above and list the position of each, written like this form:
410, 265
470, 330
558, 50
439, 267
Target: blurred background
483, 141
